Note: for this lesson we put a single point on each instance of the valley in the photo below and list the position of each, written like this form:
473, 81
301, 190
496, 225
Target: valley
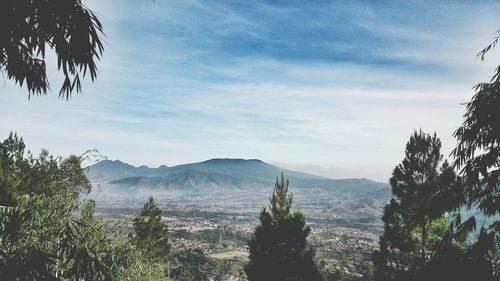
214, 206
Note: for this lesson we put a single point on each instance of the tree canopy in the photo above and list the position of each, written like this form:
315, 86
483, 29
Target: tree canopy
67, 27
415, 227
151, 234
22, 173
278, 249
477, 156
477, 152
48, 231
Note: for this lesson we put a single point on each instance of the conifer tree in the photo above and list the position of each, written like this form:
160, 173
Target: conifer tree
151, 235
424, 189
278, 249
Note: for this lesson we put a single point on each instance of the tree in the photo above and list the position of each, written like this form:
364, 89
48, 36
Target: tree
22, 173
194, 265
278, 248
424, 189
48, 233
151, 234
67, 27
477, 156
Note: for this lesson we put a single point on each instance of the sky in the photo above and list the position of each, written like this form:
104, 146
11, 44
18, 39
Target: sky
333, 88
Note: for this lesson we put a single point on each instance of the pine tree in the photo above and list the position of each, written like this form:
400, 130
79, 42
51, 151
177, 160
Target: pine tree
423, 192
278, 249
151, 235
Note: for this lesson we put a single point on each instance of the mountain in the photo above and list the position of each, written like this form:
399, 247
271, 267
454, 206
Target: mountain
228, 173
108, 170
237, 186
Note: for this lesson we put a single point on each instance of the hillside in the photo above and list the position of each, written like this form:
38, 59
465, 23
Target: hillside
236, 173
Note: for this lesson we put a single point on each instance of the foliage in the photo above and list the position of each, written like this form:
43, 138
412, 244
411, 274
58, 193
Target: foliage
193, 266
67, 27
151, 235
478, 149
367, 270
213, 236
414, 223
47, 233
477, 155
22, 173
278, 249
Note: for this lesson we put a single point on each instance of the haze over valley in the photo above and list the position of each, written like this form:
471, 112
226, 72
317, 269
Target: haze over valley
236, 186
222, 198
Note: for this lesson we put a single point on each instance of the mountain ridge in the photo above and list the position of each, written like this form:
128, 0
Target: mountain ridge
225, 172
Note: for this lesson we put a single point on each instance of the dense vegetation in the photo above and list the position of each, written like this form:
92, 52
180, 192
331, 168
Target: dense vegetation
47, 228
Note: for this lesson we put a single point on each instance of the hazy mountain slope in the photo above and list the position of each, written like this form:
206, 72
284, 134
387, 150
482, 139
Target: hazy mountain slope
182, 180
108, 170
245, 169
236, 173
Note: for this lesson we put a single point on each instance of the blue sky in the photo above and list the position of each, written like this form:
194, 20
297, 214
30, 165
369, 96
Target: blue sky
328, 87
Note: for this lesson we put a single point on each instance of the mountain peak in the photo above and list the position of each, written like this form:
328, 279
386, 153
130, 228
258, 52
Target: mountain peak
113, 162
222, 171
232, 160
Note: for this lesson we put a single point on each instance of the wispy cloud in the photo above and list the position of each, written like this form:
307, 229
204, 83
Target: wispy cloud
334, 87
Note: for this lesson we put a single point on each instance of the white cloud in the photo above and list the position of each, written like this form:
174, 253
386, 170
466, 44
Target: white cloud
161, 100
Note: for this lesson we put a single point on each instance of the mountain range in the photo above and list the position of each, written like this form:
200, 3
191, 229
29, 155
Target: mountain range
237, 186
236, 173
